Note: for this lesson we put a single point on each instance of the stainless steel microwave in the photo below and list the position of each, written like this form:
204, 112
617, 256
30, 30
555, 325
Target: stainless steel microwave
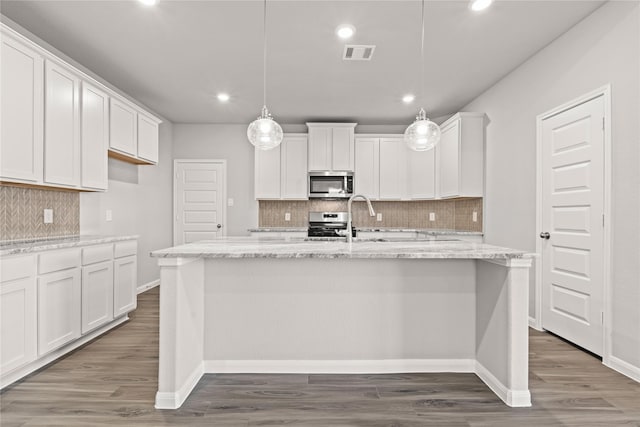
330, 185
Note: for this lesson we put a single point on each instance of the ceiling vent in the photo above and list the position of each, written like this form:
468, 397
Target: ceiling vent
355, 52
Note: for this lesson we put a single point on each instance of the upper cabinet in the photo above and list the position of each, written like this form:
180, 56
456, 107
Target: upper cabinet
460, 156
281, 173
22, 114
331, 146
58, 124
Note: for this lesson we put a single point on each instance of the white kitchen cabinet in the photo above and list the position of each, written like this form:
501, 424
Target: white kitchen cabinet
125, 272
460, 157
393, 169
18, 312
421, 174
281, 173
147, 138
94, 137
293, 157
367, 167
331, 146
123, 128
21, 113
97, 295
59, 302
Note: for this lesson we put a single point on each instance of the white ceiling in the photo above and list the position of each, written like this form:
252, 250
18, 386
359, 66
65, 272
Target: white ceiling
176, 56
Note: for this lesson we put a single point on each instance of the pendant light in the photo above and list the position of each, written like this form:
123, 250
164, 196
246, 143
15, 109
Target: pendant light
264, 132
422, 134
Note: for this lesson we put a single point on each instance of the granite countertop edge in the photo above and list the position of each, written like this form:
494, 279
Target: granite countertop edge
23, 246
430, 231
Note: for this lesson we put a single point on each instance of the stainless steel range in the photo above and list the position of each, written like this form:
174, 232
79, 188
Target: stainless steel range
328, 224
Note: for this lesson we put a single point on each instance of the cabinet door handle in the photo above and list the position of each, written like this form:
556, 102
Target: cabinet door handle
219, 226
545, 235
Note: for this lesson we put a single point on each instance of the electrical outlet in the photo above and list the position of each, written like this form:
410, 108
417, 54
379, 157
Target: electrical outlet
379, 216
48, 216
474, 216
432, 216
287, 216
230, 202
109, 215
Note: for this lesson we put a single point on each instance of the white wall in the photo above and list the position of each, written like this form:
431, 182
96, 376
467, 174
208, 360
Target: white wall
140, 198
209, 141
602, 49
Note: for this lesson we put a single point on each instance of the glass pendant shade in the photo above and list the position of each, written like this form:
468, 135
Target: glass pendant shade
264, 132
422, 134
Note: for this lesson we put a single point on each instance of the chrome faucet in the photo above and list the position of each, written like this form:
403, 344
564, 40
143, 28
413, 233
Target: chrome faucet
349, 217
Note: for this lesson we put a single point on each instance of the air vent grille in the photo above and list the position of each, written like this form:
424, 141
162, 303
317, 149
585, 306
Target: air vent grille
355, 52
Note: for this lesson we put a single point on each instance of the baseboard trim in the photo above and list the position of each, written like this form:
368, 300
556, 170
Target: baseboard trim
169, 400
386, 366
625, 368
513, 398
150, 285
22, 372
533, 323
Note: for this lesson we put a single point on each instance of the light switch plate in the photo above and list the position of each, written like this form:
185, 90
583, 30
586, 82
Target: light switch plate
48, 216
109, 215
432, 216
379, 216
287, 216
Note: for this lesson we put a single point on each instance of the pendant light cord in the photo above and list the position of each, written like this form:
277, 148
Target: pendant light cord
421, 54
264, 54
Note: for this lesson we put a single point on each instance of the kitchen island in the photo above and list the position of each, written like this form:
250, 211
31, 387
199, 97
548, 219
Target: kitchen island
244, 305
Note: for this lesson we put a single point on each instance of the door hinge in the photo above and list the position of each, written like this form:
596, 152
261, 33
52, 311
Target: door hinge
603, 123
602, 220
602, 317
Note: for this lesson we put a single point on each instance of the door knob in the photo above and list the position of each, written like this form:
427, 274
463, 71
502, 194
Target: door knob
219, 226
545, 235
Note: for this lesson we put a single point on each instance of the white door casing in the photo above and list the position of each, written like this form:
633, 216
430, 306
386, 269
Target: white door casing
199, 195
572, 210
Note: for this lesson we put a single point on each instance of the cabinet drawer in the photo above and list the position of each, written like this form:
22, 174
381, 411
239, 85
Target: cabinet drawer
58, 260
17, 268
94, 254
127, 248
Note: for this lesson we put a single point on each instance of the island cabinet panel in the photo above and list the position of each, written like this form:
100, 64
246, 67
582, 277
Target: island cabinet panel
125, 273
393, 169
147, 138
94, 137
367, 167
62, 126
21, 113
460, 157
281, 173
331, 146
59, 299
123, 128
18, 312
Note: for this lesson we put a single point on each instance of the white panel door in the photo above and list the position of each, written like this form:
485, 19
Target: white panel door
18, 313
147, 139
320, 148
123, 128
97, 295
342, 152
267, 173
367, 167
572, 200
62, 126
393, 169
125, 277
95, 137
448, 161
59, 304
199, 195
21, 113
293, 159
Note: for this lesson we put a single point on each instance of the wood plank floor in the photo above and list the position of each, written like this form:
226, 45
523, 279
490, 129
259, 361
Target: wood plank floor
112, 381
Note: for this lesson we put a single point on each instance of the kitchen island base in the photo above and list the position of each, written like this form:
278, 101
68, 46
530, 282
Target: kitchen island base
318, 315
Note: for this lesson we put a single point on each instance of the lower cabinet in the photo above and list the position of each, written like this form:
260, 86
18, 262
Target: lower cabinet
124, 285
97, 295
18, 313
59, 309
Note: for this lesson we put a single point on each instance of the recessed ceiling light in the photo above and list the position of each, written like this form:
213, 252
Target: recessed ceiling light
478, 5
148, 2
223, 97
408, 99
345, 31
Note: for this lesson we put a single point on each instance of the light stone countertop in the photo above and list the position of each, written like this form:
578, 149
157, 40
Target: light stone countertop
251, 247
277, 229
13, 247
426, 231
